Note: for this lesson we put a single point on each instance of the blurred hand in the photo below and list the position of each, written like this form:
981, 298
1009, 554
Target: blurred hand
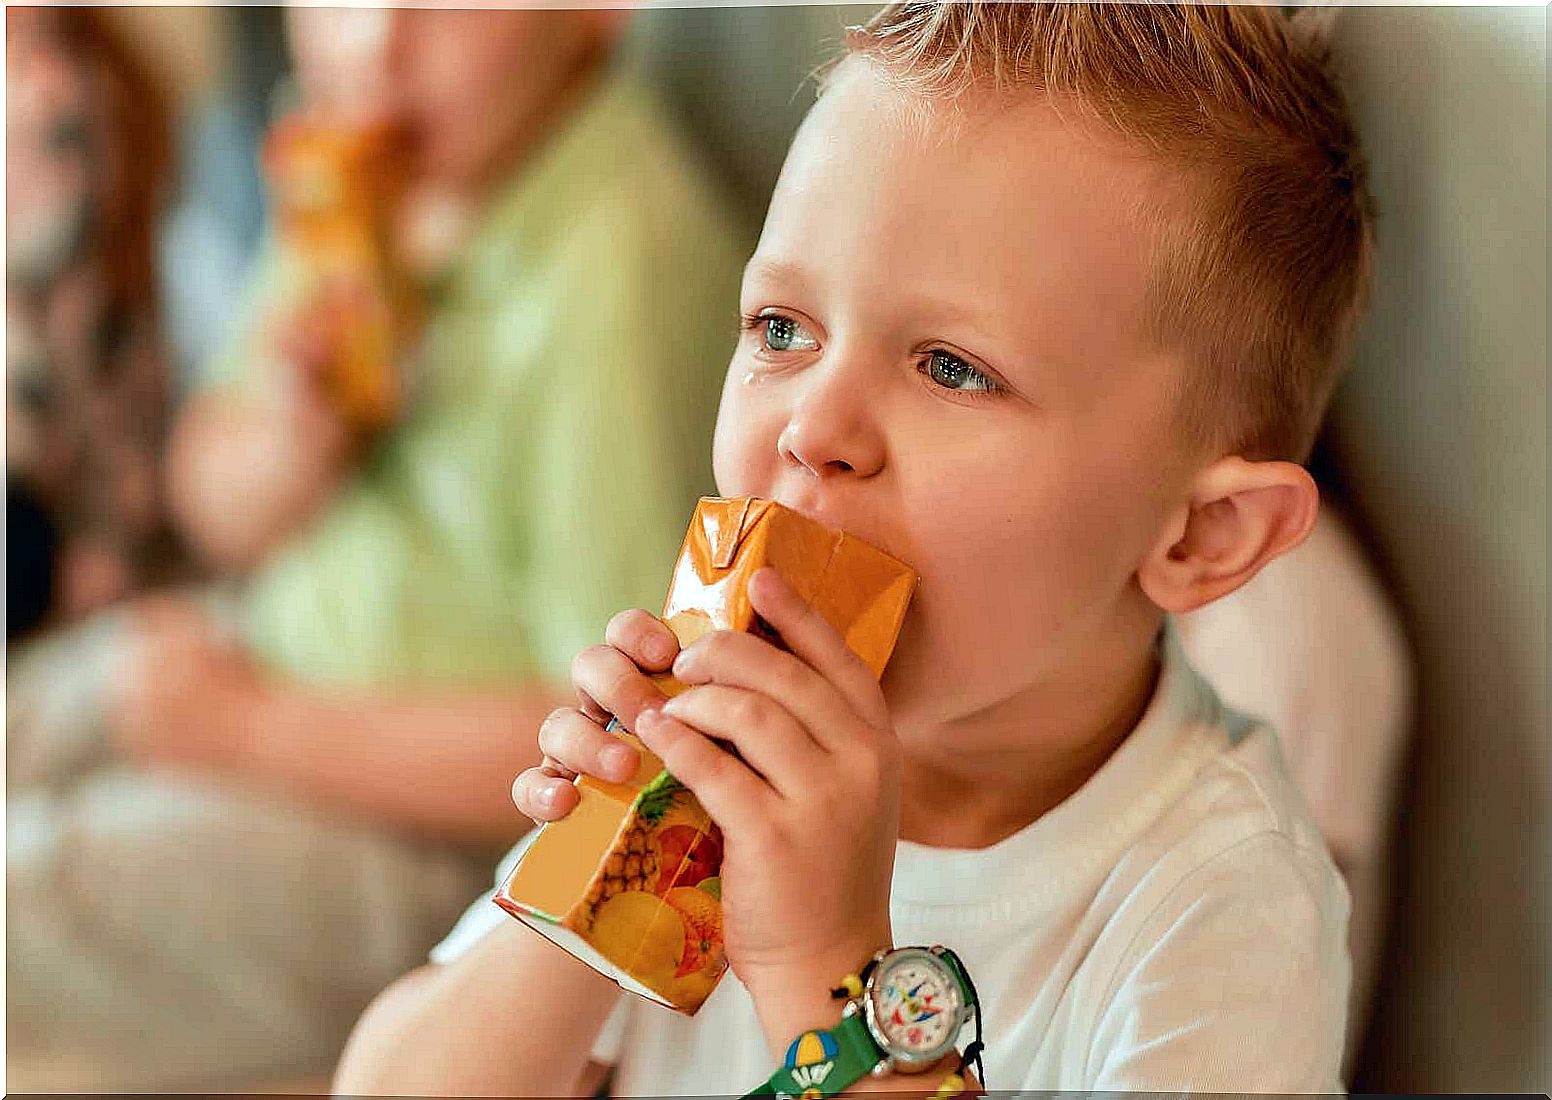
245, 473
182, 694
306, 343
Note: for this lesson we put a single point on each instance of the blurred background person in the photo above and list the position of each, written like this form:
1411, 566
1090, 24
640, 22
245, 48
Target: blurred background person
236, 814
87, 378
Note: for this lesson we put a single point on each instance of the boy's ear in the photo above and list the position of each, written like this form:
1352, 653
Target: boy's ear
1240, 516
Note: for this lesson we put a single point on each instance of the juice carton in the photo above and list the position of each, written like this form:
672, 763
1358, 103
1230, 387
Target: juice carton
335, 186
629, 882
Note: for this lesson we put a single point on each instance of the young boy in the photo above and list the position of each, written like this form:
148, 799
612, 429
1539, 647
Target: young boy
1048, 303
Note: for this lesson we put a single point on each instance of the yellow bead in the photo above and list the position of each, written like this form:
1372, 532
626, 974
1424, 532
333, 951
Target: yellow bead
853, 985
952, 1085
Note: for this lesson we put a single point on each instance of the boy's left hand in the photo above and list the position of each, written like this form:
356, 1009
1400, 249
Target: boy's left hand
809, 806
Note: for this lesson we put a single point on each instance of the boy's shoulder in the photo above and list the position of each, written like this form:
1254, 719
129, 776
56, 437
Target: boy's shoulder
1232, 789
1224, 899
1231, 837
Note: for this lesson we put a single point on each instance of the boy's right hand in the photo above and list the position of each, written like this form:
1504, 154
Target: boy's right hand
611, 681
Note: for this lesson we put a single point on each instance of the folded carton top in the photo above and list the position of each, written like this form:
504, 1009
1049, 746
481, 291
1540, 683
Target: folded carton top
862, 591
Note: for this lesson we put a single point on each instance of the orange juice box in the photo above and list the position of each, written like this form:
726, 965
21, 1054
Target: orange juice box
335, 187
629, 881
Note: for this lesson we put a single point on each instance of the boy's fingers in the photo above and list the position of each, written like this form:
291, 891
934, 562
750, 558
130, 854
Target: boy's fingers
809, 635
733, 795
644, 638
769, 739
543, 797
745, 661
608, 681
574, 741
554, 768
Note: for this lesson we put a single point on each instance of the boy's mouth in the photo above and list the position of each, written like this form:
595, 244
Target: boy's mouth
812, 509
826, 513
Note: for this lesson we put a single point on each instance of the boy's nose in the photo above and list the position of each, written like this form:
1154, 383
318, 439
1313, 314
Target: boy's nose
831, 429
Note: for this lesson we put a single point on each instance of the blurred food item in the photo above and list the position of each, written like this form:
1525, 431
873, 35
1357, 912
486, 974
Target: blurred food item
630, 881
337, 188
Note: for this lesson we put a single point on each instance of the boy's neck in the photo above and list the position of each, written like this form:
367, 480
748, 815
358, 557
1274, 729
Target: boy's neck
1005, 768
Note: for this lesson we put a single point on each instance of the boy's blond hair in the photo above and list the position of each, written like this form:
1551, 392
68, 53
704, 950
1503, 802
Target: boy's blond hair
1263, 258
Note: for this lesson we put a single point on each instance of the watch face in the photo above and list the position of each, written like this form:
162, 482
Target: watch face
916, 1005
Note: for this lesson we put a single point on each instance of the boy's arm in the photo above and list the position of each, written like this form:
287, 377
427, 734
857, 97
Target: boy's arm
924, 1084
513, 1016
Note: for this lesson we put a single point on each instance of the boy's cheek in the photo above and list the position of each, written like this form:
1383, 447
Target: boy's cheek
744, 450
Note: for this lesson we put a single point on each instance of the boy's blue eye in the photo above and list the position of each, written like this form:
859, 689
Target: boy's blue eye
953, 373
786, 334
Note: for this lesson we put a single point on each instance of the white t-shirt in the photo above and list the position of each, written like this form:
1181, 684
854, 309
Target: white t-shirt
1176, 924
1312, 645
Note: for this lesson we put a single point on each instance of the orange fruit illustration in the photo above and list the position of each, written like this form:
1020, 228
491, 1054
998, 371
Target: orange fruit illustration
687, 856
702, 917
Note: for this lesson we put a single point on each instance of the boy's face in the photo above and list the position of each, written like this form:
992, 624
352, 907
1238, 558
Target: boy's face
943, 355
461, 83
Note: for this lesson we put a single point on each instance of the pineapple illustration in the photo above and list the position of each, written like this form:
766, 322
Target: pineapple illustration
635, 860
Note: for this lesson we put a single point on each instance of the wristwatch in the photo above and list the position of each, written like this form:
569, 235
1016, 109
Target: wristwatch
904, 1012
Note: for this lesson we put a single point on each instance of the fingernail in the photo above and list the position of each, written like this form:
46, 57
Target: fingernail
620, 761
546, 795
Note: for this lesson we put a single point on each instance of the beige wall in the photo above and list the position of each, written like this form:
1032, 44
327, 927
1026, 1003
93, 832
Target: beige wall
738, 77
1442, 433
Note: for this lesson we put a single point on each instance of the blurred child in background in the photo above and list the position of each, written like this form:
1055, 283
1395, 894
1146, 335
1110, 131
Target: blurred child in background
234, 818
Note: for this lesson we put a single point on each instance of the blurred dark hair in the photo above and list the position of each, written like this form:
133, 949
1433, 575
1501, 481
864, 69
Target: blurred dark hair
139, 129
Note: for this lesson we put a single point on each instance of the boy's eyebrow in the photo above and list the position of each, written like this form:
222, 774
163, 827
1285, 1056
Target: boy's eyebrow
775, 271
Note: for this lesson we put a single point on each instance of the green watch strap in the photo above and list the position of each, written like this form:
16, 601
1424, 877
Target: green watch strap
823, 1063
956, 964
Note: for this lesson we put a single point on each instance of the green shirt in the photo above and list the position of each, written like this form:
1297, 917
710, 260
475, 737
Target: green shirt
558, 435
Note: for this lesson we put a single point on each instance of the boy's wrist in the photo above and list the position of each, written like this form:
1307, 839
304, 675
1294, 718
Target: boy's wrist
793, 997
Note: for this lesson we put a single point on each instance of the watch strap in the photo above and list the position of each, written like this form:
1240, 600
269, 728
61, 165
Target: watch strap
824, 1063
956, 964
972, 1053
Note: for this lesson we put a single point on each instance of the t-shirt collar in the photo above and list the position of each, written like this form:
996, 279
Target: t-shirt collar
1129, 789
